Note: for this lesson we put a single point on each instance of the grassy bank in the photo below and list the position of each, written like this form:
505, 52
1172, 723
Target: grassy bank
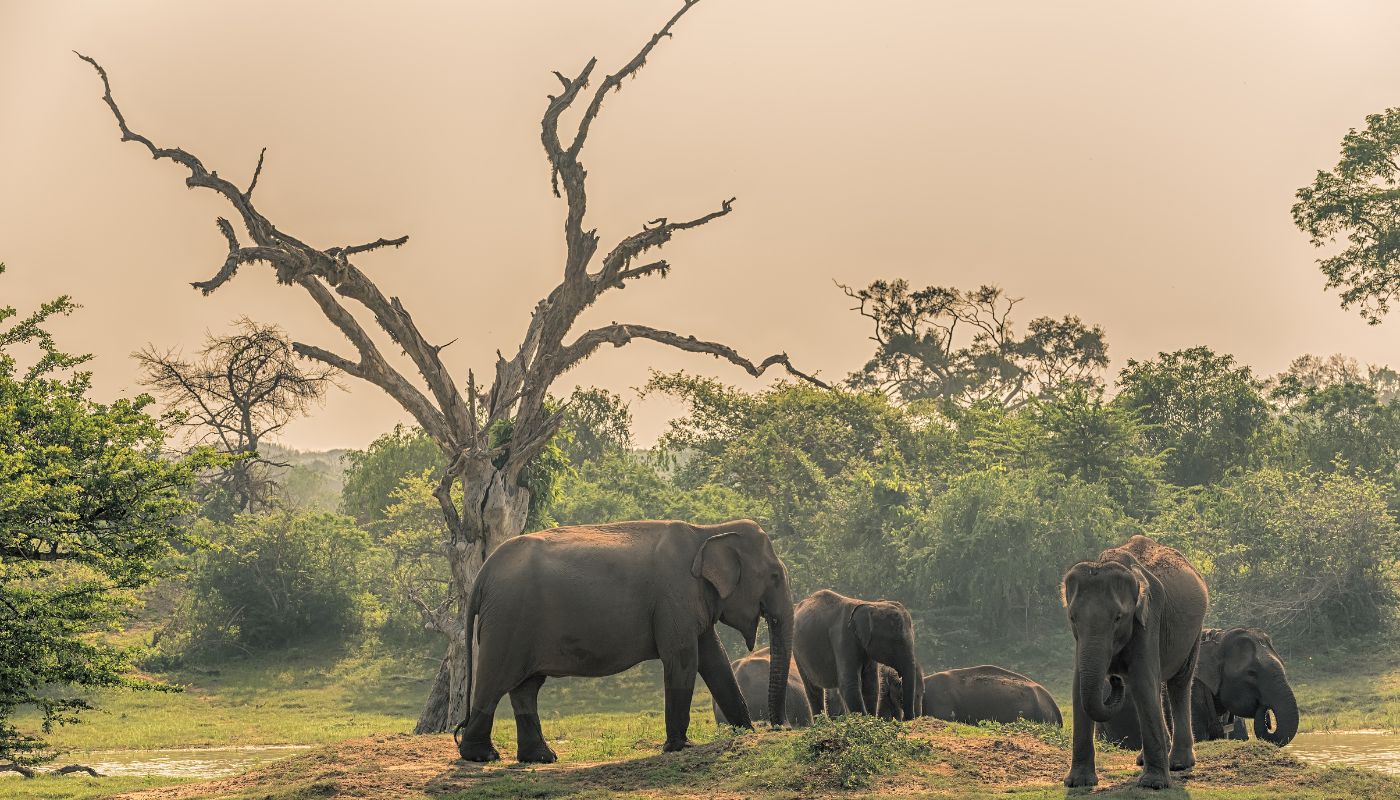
866, 759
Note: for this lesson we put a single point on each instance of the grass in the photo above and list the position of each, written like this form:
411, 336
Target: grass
73, 787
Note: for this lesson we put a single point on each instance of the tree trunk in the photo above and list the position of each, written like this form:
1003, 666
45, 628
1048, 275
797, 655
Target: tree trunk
499, 515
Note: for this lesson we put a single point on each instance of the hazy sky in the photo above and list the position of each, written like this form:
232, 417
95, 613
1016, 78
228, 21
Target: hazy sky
1131, 163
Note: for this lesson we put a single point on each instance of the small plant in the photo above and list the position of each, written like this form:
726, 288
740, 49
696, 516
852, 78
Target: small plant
848, 751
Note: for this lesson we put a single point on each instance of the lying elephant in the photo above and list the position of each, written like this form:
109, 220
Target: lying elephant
751, 672
1239, 676
973, 694
596, 600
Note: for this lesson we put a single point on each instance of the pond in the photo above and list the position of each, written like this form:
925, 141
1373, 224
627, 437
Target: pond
207, 762
1378, 750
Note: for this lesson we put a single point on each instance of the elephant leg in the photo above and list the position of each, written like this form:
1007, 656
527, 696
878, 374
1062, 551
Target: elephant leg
1183, 748
1081, 765
475, 743
835, 706
850, 669
1146, 686
719, 677
530, 746
815, 697
870, 686
679, 670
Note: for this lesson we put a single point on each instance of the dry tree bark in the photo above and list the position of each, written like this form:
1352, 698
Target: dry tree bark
494, 504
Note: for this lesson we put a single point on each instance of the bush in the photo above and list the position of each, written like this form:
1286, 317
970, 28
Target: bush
1305, 556
999, 541
848, 751
273, 579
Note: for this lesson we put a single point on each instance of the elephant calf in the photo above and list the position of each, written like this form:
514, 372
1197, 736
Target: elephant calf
596, 600
973, 694
751, 672
1239, 676
841, 641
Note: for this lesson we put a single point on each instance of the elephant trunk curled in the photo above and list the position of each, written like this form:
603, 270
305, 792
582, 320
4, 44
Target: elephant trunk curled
1091, 668
1277, 697
780, 627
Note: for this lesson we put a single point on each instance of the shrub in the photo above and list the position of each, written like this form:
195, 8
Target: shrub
273, 579
848, 751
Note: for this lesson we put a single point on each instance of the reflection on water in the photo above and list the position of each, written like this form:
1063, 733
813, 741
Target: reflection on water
212, 762
1378, 750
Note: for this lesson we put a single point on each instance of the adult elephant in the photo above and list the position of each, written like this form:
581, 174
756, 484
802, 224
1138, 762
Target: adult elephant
751, 673
840, 643
596, 600
973, 694
1136, 614
1239, 675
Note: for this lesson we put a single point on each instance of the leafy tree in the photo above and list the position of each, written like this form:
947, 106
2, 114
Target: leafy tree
88, 508
596, 422
1359, 199
1308, 374
960, 348
244, 388
373, 475
1101, 443
1201, 409
1347, 424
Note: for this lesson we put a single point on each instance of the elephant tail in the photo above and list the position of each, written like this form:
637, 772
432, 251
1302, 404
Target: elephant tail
473, 606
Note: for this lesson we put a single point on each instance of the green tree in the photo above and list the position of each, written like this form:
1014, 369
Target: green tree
1359, 200
89, 506
960, 348
596, 422
1201, 409
373, 475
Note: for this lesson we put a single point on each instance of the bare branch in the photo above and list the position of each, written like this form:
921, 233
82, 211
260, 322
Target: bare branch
257, 172
619, 335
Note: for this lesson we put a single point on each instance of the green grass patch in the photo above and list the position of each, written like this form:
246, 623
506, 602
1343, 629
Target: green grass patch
847, 752
73, 787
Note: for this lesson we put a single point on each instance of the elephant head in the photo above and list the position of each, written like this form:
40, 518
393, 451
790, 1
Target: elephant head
1242, 669
750, 582
1105, 600
886, 631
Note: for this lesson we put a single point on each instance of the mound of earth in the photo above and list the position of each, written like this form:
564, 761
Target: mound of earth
950, 761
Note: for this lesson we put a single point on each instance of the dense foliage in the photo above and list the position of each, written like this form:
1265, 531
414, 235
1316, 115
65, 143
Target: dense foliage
89, 507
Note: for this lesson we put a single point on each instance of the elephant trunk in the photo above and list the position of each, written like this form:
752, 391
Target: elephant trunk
1090, 671
779, 656
1278, 698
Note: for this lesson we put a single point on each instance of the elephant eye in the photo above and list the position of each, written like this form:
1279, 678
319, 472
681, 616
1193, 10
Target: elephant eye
1118, 617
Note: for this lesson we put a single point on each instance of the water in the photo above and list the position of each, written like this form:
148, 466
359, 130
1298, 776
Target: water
197, 762
1377, 750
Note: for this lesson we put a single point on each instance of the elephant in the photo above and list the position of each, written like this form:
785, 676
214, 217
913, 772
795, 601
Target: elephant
594, 600
1239, 675
972, 694
751, 672
890, 704
1136, 615
841, 641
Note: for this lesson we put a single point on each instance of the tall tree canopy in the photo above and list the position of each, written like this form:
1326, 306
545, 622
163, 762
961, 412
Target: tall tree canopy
1200, 407
489, 437
243, 388
960, 347
1359, 200
88, 506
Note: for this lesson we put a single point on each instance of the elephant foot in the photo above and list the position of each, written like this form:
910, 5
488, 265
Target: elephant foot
1080, 776
535, 753
676, 745
1153, 779
481, 752
1185, 762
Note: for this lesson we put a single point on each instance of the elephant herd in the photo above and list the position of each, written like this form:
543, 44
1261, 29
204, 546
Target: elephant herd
597, 600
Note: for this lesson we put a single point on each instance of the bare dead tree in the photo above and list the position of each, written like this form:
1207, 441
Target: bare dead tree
243, 388
493, 502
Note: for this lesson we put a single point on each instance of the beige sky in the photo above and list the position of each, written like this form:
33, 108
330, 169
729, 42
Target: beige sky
1131, 163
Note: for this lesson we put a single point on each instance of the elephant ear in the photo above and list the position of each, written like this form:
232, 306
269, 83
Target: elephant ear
862, 621
718, 563
1144, 609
